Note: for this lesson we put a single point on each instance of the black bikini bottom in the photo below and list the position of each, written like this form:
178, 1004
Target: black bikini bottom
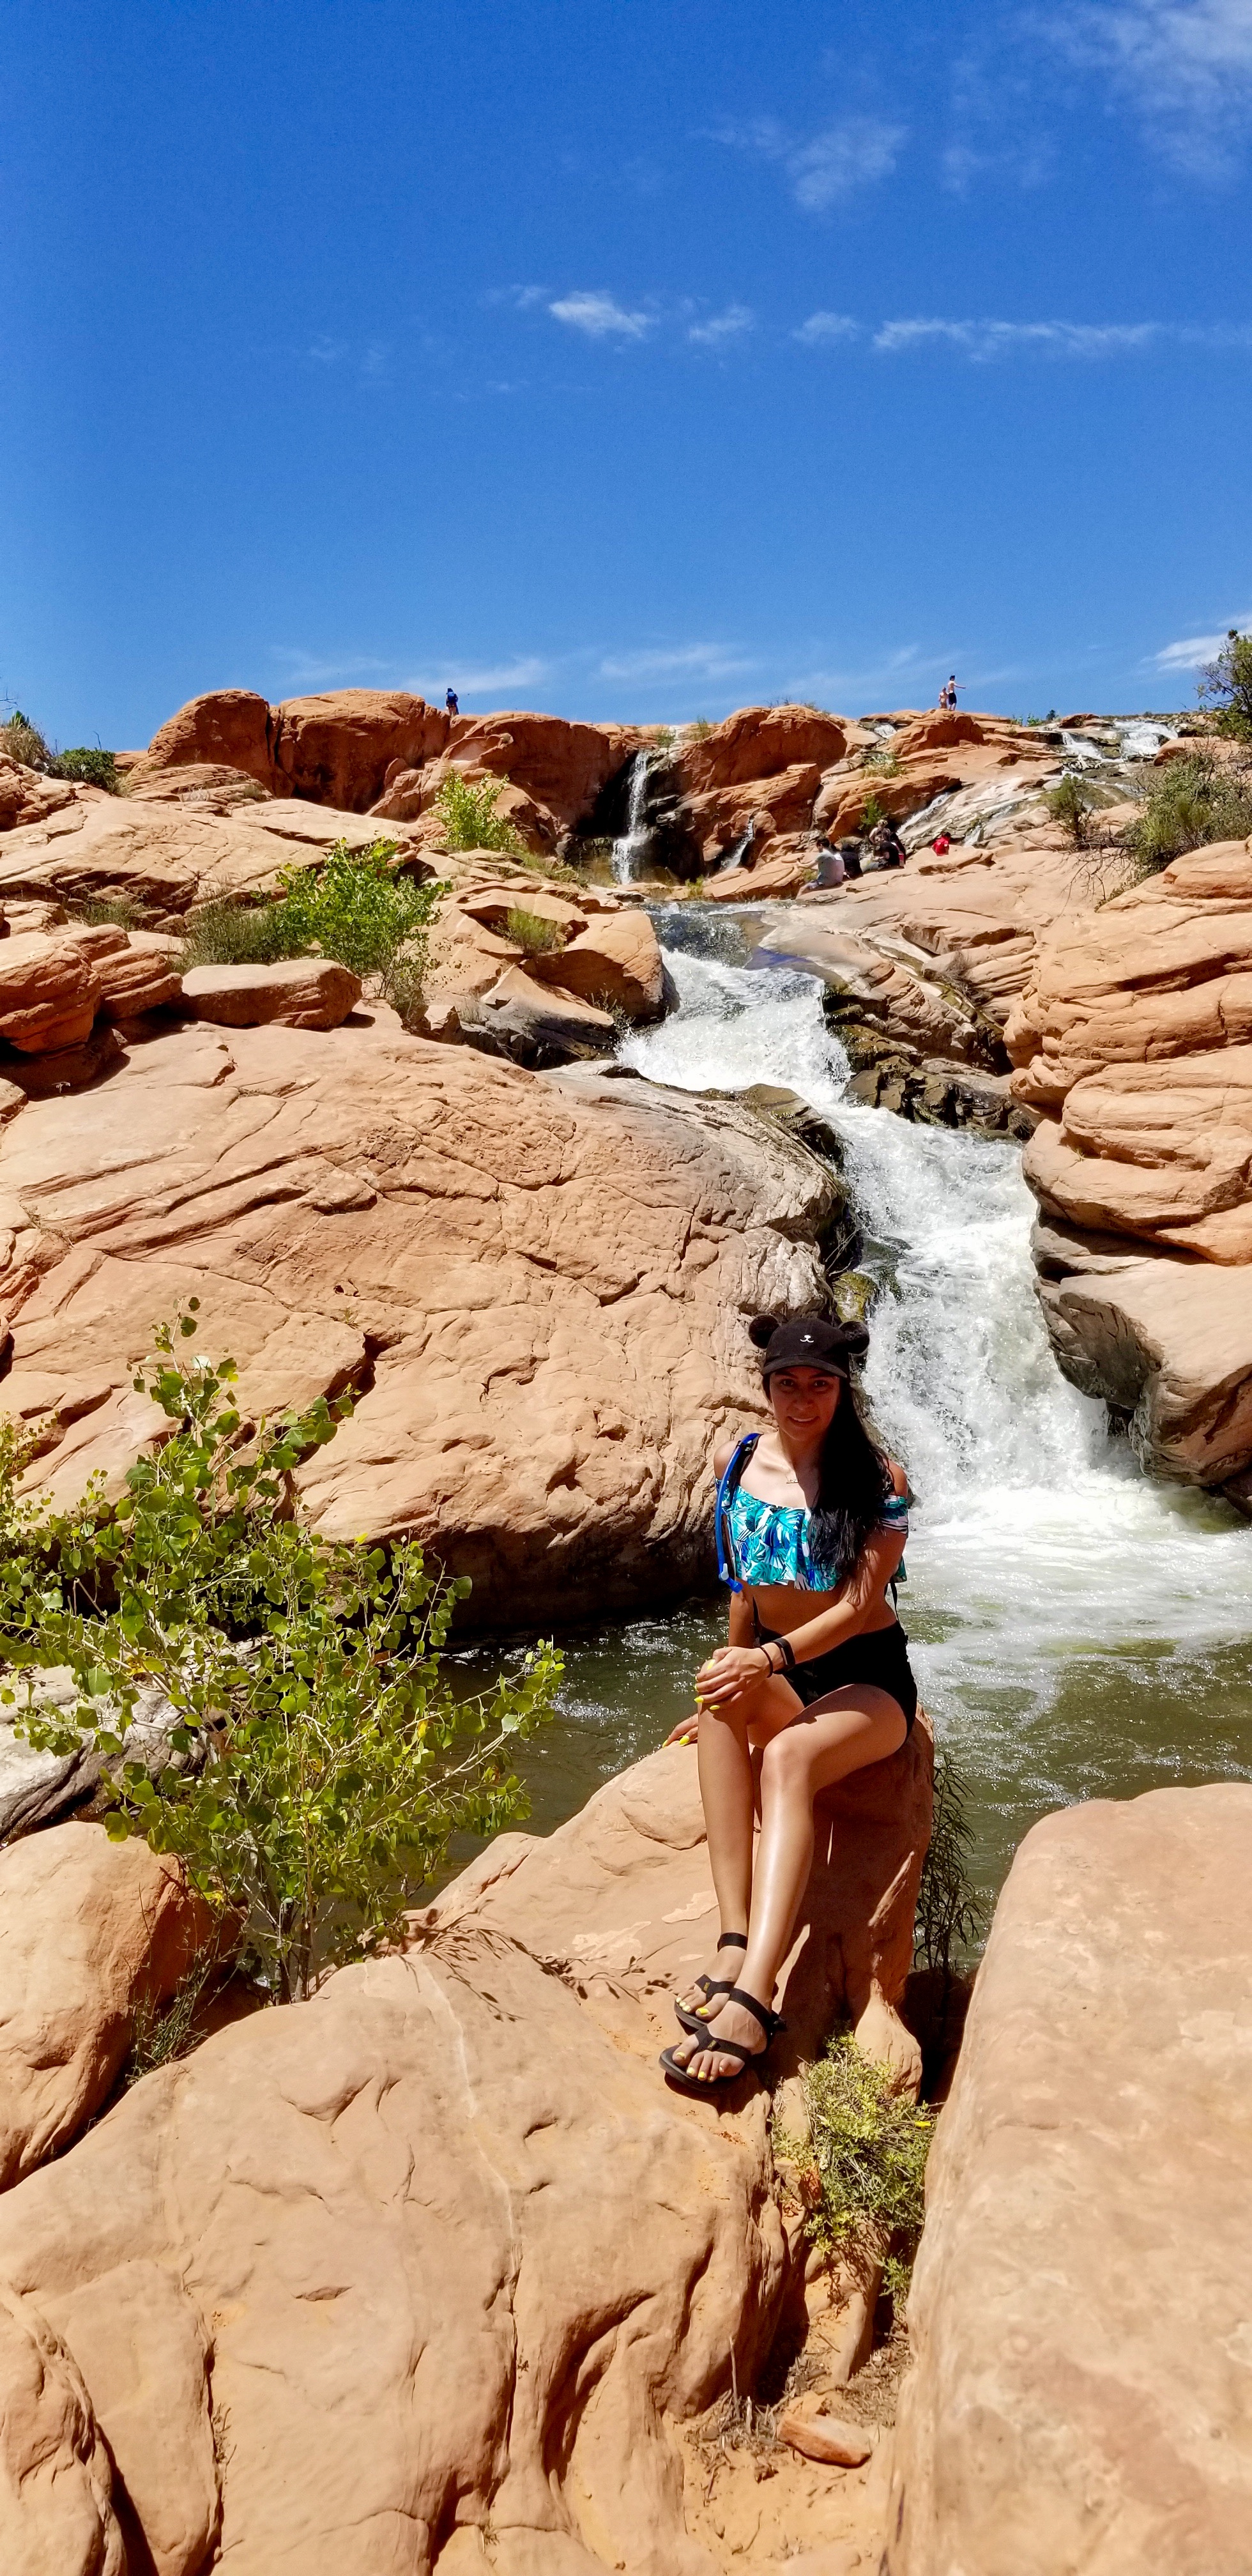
881, 1658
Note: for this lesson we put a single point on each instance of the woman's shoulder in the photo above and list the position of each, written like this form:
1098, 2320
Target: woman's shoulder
899, 1480
725, 1451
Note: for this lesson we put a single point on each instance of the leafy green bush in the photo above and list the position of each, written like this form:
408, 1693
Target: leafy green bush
352, 907
328, 1764
116, 908
873, 811
1070, 804
950, 1912
700, 730
467, 811
884, 762
866, 2162
90, 766
530, 931
1190, 802
1226, 686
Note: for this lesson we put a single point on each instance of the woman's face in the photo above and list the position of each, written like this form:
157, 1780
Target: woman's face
804, 1401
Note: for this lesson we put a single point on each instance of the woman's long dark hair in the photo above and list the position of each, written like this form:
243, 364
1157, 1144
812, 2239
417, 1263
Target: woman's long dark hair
853, 1477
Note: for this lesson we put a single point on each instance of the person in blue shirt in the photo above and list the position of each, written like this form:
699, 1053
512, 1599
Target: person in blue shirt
452, 703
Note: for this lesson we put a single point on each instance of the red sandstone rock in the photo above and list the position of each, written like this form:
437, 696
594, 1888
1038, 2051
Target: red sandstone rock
26, 796
550, 1272
1079, 2311
759, 743
828, 2438
296, 993
563, 766
336, 748
89, 1931
227, 728
166, 859
49, 992
615, 961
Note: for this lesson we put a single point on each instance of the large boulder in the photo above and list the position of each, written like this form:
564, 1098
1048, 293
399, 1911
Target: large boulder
1135, 1036
1079, 2316
538, 1283
164, 859
759, 742
26, 796
49, 992
336, 748
295, 993
91, 1933
614, 960
227, 728
435, 2267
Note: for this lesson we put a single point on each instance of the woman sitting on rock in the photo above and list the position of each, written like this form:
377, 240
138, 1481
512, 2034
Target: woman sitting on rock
811, 1524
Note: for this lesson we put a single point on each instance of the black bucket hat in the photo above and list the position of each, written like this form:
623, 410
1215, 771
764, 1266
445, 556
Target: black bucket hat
807, 1341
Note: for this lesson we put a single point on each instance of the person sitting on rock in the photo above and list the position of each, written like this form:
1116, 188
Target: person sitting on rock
851, 854
815, 1681
830, 868
941, 845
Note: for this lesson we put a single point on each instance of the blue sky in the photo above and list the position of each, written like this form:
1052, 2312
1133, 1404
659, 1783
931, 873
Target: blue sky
621, 358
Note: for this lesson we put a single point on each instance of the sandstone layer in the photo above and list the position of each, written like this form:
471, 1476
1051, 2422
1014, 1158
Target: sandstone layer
1080, 2305
537, 1283
436, 2264
1134, 1039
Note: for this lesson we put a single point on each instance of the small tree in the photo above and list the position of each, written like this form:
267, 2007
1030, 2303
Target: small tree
1070, 804
1189, 803
326, 1764
1225, 686
467, 810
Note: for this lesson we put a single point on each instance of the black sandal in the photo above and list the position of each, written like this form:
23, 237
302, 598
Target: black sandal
687, 2014
705, 2084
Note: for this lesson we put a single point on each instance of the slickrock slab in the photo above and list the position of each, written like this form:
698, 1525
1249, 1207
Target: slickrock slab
538, 1281
427, 2250
1080, 2308
165, 859
614, 962
26, 796
539, 1024
89, 1930
296, 993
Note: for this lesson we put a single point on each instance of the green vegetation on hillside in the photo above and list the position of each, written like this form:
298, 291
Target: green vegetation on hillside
530, 930
320, 1764
352, 906
467, 811
1190, 802
85, 764
1070, 804
1226, 686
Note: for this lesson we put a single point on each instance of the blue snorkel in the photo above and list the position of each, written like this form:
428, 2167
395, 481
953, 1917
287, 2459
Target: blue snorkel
727, 1483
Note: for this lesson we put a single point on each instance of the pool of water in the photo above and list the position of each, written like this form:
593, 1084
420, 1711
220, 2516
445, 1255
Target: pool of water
1079, 1629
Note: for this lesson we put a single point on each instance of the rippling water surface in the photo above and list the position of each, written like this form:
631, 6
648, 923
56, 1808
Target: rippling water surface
1079, 1630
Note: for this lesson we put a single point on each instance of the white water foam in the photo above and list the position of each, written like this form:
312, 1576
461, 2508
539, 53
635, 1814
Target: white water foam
1040, 1549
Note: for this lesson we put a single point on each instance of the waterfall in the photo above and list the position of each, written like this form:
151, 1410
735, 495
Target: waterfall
1053, 1588
632, 847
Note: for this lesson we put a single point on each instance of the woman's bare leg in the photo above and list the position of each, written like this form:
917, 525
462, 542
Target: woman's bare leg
838, 1735
727, 1792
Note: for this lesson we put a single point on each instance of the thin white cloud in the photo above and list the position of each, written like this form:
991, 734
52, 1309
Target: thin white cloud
823, 328
721, 327
304, 670
524, 672
689, 661
851, 154
989, 339
599, 316
842, 160
1186, 65
1191, 650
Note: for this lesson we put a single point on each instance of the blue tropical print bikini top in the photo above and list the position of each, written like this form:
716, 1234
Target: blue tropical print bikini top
761, 1543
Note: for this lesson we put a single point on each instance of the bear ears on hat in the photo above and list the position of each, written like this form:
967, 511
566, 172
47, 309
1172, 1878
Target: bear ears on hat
852, 1339
762, 1329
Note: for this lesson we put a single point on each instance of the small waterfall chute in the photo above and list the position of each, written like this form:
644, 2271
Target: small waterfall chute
631, 849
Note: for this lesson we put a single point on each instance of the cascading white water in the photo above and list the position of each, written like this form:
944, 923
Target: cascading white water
629, 850
1069, 1614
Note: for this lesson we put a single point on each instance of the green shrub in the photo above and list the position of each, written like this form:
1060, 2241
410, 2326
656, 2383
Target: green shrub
116, 908
1190, 802
1070, 804
950, 1913
885, 763
866, 2162
88, 766
1226, 686
328, 1764
530, 931
663, 738
872, 812
700, 730
467, 810
353, 907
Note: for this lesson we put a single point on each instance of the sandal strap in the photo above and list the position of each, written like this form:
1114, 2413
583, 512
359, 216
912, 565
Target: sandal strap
768, 2020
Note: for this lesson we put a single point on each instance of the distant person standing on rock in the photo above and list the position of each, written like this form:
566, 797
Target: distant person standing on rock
811, 1520
452, 703
950, 695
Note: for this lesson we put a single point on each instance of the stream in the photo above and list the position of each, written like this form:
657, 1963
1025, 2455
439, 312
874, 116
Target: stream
1078, 1630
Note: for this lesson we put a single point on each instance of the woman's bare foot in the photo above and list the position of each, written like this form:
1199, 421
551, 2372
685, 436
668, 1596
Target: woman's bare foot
703, 2058
724, 1965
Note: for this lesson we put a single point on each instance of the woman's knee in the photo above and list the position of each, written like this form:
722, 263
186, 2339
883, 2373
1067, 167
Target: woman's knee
786, 1763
